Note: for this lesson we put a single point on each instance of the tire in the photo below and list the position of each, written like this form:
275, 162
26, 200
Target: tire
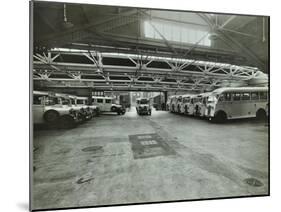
66, 122
113, 109
51, 116
261, 115
220, 117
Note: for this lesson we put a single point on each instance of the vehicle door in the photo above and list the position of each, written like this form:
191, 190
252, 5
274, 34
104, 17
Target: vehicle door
107, 104
235, 107
225, 103
100, 103
247, 106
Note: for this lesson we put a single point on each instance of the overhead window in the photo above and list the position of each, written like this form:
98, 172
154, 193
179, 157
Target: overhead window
182, 33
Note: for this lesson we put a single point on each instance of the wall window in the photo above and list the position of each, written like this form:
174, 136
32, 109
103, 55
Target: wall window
182, 33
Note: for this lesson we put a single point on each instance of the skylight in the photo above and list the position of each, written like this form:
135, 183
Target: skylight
176, 33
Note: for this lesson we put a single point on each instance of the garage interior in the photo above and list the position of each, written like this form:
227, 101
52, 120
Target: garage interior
129, 53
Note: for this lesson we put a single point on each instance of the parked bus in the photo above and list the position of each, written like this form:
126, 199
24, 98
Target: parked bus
200, 106
192, 106
178, 104
235, 103
168, 103
185, 103
52, 109
173, 104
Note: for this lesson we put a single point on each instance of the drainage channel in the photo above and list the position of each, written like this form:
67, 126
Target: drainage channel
82, 180
93, 149
253, 182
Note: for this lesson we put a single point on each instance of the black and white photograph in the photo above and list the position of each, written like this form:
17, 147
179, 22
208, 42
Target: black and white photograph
137, 105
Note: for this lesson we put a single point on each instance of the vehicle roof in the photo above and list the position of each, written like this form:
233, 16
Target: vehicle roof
102, 97
187, 95
142, 98
220, 90
82, 97
62, 95
204, 94
43, 93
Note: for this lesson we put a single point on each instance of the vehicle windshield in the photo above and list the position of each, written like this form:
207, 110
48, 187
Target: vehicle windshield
66, 101
211, 99
50, 100
144, 101
80, 101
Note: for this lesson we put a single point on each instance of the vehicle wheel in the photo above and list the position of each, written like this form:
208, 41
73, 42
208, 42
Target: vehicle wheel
51, 116
220, 117
66, 122
113, 109
261, 114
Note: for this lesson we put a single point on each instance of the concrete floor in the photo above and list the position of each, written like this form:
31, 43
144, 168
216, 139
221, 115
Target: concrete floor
130, 159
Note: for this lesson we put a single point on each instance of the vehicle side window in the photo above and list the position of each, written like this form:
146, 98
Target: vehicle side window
221, 98
254, 96
108, 101
236, 96
245, 96
37, 100
227, 96
205, 100
99, 100
263, 95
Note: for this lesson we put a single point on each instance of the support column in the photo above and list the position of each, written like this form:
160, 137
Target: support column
165, 98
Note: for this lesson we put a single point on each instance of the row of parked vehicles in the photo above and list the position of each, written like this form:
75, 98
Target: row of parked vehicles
66, 111
223, 103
